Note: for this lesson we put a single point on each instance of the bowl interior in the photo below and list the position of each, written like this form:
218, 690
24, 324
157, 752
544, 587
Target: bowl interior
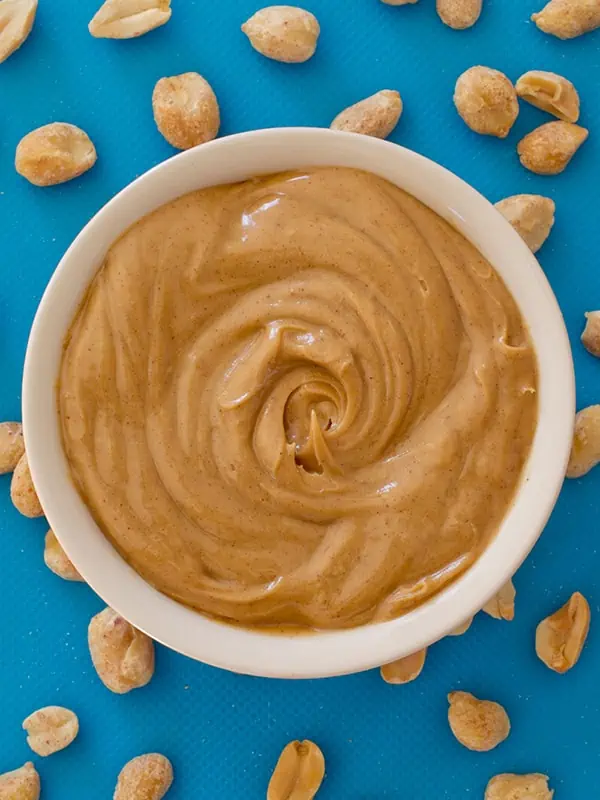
236, 158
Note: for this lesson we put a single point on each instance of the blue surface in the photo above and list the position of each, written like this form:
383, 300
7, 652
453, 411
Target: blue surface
224, 732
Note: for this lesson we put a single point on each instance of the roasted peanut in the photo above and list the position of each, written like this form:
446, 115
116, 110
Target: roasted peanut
559, 639
147, 777
16, 21
519, 787
127, 19
12, 446
51, 729
459, 14
477, 724
567, 19
404, 670
502, 604
585, 452
186, 110
298, 773
458, 631
548, 149
54, 153
376, 115
591, 333
57, 560
20, 784
283, 33
486, 100
531, 215
551, 93
122, 656
22, 490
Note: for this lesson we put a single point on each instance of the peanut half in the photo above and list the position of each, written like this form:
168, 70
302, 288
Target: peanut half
551, 93
122, 656
20, 784
477, 724
298, 773
12, 446
502, 604
398, 2
567, 19
463, 628
128, 19
531, 215
147, 777
57, 560
186, 110
559, 639
585, 451
54, 153
459, 14
590, 337
519, 787
16, 21
548, 149
404, 670
51, 729
283, 33
486, 101
376, 115
22, 490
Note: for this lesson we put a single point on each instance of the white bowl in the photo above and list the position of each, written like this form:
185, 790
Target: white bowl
322, 654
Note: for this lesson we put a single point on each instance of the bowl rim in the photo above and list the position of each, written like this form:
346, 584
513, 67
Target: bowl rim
330, 653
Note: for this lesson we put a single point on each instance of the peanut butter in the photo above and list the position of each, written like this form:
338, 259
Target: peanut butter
300, 400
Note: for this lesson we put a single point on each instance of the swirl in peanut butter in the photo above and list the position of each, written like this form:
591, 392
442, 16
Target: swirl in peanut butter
300, 400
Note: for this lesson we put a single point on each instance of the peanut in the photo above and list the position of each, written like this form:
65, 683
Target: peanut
57, 560
591, 333
460, 629
398, 2
22, 490
486, 100
127, 19
567, 19
548, 149
51, 729
186, 110
54, 153
404, 670
477, 724
20, 784
122, 656
16, 21
147, 777
559, 639
551, 93
283, 33
519, 787
12, 446
459, 14
298, 773
531, 215
502, 604
376, 115
585, 451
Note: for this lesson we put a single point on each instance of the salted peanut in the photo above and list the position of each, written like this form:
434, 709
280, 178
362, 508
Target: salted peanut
502, 604
519, 787
55, 153
559, 639
16, 21
376, 115
122, 656
283, 33
477, 724
404, 670
567, 19
531, 215
548, 149
127, 19
22, 490
550, 92
57, 560
186, 110
12, 446
51, 729
20, 784
298, 773
590, 337
585, 451
486, 100
147, 777
458, 631
459, 14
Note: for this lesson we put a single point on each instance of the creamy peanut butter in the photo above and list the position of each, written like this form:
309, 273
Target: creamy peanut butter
300, 400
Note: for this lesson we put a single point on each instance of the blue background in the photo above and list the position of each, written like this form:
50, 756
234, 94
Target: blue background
224, 732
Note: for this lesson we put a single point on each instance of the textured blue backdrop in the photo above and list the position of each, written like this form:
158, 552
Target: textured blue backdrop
224, 732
